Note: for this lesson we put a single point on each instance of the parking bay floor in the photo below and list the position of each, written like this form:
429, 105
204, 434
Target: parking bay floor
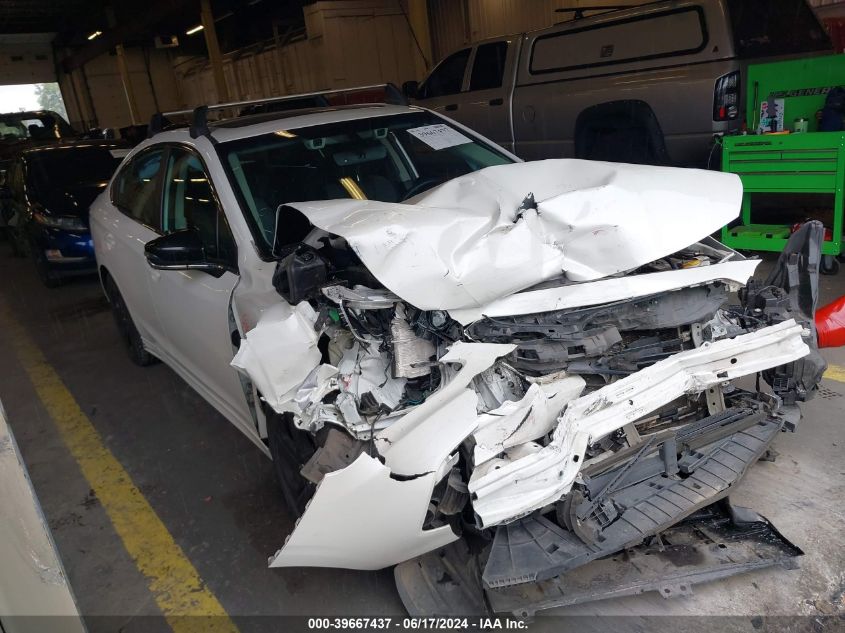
212, 512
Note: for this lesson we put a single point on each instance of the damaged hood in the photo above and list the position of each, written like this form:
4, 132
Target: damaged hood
473, 240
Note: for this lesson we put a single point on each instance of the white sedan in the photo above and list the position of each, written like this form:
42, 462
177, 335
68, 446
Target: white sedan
434, 340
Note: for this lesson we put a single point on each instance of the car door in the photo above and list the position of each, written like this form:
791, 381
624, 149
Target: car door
136, 195
441, 90
485, 107
193, 305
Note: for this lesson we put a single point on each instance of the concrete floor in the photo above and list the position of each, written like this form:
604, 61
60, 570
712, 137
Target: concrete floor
215, 493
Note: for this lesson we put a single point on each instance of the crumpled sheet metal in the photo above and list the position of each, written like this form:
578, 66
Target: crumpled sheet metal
362, 518
422, 440
579, 295
517, 422
531, 482
279, 353
462, 244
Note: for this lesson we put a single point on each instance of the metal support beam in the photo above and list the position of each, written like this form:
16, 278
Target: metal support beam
418, 22
214, 56
127, 84
125, 79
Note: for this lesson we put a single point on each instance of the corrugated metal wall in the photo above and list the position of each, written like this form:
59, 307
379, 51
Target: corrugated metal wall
349, 43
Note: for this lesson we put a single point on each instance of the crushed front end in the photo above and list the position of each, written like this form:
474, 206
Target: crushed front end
545, 428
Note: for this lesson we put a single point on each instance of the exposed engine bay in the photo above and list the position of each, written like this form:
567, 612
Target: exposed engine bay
546, 439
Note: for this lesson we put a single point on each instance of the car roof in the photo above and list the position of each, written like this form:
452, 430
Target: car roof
268, 122
27, 114
73, 144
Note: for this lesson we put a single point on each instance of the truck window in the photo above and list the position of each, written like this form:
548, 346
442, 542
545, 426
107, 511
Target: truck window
447, 78
489, 66
651, 36
762, 28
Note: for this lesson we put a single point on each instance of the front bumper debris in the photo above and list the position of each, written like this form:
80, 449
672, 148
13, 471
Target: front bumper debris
715, 542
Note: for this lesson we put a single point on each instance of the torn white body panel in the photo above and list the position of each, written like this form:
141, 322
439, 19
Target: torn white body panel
608, 290
280, 352
362, 518
422, 440
531, 482
470, 244
517, 422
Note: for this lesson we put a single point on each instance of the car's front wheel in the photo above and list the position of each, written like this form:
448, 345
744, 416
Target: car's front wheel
42, 267
126, 327
290, 449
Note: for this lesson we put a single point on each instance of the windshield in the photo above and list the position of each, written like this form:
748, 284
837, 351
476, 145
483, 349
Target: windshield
389, 158
64, 167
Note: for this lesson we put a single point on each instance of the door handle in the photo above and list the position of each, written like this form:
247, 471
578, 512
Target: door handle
451, 107
496, 102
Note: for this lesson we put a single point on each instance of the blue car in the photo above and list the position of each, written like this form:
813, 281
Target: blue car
45, 204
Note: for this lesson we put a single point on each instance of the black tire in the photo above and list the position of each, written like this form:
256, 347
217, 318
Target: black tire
290, 448
20, 245
42, 269
830, 265
126, 327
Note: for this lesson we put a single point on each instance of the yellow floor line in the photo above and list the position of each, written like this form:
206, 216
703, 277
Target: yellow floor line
835, 372
176, 585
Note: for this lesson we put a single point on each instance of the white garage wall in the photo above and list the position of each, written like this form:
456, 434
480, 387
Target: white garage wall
94, 94
26, 59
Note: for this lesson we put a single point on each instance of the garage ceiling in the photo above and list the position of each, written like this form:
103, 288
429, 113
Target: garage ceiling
45, 16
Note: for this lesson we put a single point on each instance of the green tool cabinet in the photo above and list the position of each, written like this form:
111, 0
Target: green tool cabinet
810, 162
789, 163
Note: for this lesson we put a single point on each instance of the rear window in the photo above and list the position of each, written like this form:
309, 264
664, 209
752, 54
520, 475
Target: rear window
762, 28
642, 37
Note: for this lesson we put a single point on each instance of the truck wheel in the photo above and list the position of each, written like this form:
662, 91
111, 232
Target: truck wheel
126, 327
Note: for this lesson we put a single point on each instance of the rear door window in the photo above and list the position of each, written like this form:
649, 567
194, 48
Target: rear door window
447, 78
488, 69
136, 189
764, 28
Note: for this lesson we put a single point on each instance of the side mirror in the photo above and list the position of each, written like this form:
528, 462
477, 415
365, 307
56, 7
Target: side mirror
409, 89
180, 250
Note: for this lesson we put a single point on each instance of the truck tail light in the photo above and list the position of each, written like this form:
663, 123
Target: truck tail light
726, 97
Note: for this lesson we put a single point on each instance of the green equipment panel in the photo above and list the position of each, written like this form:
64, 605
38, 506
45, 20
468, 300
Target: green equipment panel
811, 162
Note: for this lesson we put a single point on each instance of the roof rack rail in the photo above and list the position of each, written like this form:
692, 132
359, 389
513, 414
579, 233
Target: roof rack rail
608, 8
199, 115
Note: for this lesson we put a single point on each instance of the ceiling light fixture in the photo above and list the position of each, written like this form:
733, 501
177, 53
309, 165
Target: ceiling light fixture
95, 34
193, 30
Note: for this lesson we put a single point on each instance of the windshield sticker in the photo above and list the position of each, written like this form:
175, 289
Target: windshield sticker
118, 153
439, 136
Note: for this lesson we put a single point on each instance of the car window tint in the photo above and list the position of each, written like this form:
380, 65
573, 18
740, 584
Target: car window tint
189, 203
447, 77
135, 189
489, 66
